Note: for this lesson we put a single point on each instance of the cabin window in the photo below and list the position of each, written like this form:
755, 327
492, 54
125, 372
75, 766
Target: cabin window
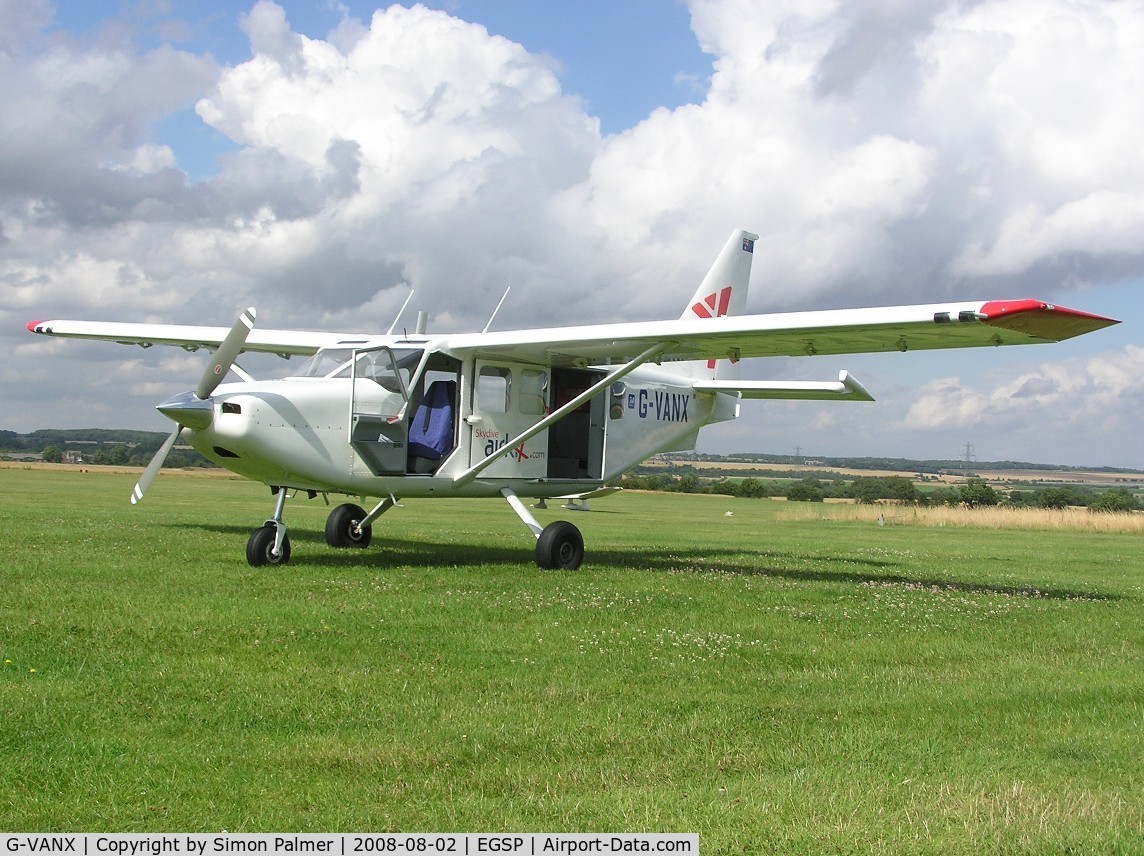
494, 386
533, 392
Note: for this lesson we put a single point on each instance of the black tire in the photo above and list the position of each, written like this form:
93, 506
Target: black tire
340, 531
260, 548
560, 545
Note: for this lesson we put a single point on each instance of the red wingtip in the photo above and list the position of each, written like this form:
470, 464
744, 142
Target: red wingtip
1044, 320
32, 325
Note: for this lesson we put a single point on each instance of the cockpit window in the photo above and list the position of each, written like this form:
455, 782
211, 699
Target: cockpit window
390, 368
329, 362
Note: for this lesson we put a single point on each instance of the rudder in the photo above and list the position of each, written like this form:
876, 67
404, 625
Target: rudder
722, 292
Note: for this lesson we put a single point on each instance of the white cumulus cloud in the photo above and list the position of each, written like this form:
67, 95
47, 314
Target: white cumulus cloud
1075, 392
885, 152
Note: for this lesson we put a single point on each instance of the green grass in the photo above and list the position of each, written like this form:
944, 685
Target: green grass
777, 686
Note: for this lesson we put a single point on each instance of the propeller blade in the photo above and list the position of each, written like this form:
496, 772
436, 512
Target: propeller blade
155, 465
230, 348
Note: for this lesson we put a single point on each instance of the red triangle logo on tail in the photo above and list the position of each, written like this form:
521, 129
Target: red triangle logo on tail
713, 306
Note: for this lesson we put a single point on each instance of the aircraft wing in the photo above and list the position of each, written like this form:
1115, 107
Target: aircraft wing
792, 334
283, 342
837, 331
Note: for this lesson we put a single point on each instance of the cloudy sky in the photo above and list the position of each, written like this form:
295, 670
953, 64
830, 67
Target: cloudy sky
177, 160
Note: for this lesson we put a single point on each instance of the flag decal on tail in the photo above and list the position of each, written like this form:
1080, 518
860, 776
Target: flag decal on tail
748, 245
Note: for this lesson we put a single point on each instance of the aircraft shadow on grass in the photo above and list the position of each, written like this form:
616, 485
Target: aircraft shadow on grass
388, 552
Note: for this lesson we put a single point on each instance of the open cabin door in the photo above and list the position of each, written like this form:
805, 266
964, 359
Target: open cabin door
509, 398
403, 409
576, 442
378, 406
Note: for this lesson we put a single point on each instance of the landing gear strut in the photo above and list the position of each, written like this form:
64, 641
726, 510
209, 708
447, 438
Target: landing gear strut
269, 545
558, 545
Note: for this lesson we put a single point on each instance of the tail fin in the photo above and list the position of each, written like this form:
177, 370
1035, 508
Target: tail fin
722, 292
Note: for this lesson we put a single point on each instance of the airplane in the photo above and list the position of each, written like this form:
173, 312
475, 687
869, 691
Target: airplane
553, 413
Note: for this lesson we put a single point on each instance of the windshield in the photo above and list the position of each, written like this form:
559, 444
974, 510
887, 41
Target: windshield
326, 363
391, 368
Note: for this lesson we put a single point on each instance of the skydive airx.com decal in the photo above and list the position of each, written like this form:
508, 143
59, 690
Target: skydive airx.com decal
494, 442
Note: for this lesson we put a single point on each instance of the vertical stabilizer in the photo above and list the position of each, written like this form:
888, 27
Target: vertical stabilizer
722, 292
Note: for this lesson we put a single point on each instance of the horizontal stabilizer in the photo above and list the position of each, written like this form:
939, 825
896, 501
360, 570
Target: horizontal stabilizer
591, 494
846, 388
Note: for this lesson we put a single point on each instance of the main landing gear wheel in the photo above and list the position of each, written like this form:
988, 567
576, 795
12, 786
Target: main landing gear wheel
560, 545
260, 548
342, 529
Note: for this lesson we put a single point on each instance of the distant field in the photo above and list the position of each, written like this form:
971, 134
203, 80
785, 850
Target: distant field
778, 683
1095, 478
986, 517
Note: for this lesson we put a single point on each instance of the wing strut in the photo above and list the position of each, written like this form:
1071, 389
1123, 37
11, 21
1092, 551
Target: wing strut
558, 414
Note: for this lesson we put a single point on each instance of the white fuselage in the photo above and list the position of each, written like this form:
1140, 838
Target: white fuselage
349, 431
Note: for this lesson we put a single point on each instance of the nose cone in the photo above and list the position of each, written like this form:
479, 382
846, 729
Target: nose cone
189, 411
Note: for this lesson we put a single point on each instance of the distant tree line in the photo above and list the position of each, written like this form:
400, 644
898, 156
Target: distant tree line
906, 465
123, 456
98, 446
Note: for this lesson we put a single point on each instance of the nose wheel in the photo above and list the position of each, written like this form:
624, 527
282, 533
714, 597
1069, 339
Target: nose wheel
269, 544
263, 548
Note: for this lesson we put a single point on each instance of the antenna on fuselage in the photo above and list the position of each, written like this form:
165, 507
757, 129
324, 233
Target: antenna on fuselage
495, 311
399, 311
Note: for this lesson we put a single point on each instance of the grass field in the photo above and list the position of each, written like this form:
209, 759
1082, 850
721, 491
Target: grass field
777, 685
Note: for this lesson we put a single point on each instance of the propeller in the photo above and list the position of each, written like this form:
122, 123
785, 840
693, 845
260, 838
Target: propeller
226, 354
154, 466
194, 409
